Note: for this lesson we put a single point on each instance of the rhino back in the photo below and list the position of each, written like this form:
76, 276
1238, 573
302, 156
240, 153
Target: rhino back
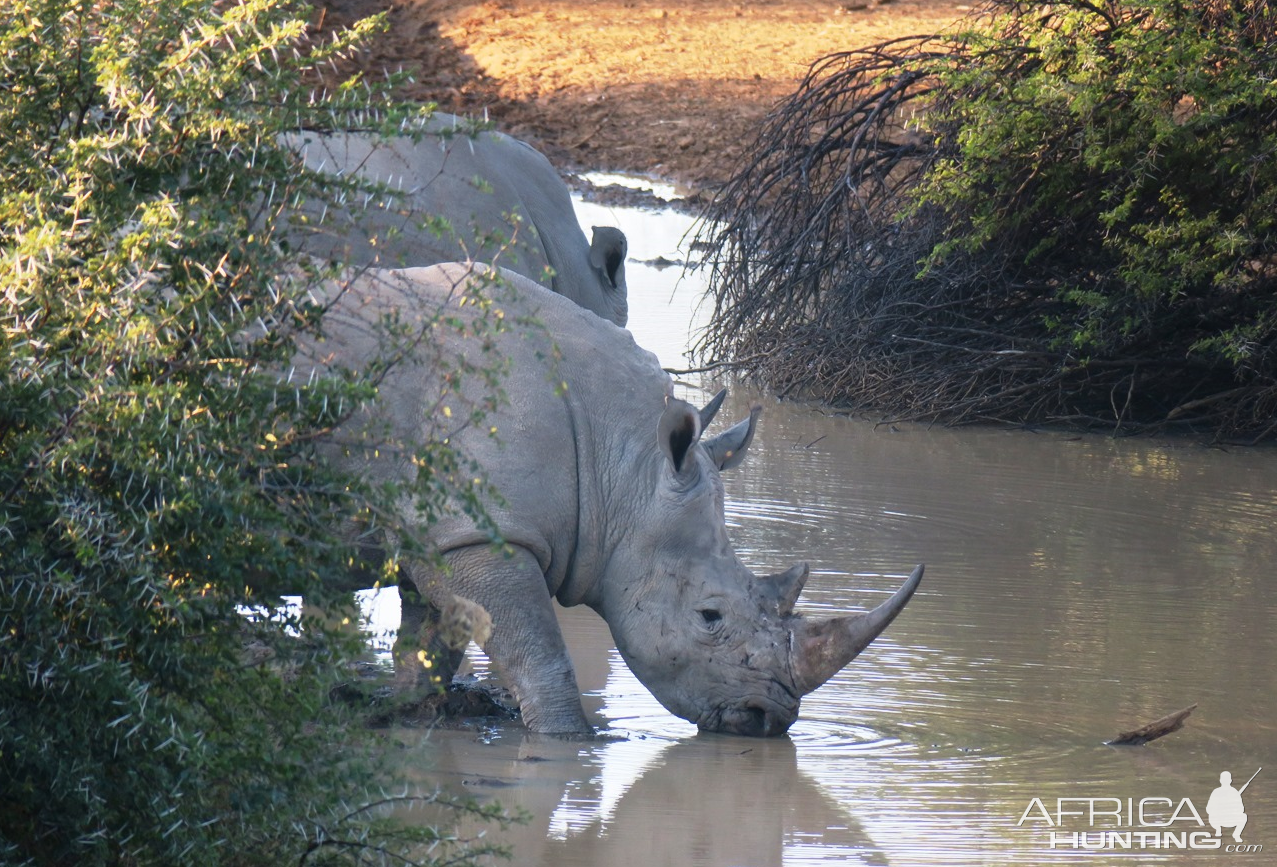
575, 433
490, 188
459, 179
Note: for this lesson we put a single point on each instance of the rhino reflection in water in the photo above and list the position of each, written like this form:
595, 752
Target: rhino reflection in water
611, 498
632, 802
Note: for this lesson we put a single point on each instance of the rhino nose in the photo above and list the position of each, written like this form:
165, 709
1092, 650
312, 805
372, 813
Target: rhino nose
756, 721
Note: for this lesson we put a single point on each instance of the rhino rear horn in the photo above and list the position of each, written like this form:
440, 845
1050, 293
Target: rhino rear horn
822, 647
785, 587
608, 247
728, 448
711, 409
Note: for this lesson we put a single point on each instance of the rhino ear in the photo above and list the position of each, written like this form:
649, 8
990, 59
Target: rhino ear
679, 431
728, 448
607, 254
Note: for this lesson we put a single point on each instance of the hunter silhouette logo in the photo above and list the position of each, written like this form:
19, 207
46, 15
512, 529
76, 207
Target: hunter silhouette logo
1225, 808
1153, 822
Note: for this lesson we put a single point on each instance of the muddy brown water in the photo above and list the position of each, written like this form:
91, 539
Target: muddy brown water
1075, 587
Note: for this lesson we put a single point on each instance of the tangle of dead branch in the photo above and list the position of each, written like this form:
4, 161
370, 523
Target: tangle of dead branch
827, 284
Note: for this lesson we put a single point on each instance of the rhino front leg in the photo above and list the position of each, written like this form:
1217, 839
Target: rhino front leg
525, 644
419, 630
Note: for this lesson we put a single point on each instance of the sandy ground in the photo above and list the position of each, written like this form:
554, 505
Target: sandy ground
670, 89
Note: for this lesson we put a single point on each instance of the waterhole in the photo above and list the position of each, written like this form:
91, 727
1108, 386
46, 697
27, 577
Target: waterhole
1076, 586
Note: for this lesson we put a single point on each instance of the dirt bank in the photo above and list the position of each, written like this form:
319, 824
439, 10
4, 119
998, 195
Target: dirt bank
670, 89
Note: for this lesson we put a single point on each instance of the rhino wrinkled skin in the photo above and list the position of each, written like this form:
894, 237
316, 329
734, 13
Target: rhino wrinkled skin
489, 186
611, 498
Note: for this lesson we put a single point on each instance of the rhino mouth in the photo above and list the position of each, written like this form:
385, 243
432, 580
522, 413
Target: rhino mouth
755, 718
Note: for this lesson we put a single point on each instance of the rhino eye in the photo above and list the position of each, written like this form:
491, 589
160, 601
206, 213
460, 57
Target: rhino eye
711, 616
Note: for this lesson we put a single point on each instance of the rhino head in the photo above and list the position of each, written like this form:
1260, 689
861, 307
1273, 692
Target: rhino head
714, 643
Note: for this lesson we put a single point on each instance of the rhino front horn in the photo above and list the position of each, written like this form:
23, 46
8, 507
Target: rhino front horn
822, 647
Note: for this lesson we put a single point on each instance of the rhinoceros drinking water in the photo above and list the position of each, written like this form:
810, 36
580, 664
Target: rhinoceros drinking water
610, 496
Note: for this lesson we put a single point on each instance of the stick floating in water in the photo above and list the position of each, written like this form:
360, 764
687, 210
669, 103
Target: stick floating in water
1154, 730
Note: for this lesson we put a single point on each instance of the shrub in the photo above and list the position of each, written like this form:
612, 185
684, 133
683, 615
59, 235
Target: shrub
1059, 213
151, 465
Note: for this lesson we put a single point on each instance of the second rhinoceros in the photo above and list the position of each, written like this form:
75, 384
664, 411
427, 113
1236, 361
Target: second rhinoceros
611, 497
501, 198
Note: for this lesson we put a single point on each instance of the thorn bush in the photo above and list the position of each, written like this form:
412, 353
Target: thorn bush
1057, 213
153, 463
